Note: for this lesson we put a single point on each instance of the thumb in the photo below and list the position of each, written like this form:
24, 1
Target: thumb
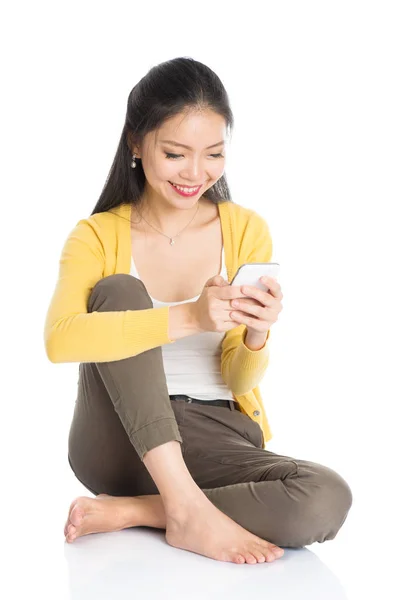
224, 281
220, 281
216, 280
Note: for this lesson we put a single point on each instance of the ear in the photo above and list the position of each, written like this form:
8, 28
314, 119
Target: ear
132, 146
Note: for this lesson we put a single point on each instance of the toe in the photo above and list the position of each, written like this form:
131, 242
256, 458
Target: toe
267, 552
250, 559
258, 554
277, 551
270, 556
72, 506
69, 513
76, 516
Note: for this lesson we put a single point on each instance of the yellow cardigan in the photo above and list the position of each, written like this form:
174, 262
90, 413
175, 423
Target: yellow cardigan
100, 246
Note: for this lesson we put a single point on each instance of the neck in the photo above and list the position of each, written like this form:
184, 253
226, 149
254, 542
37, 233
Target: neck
166, 218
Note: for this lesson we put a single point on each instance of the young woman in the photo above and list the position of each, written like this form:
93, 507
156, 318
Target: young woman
169, 429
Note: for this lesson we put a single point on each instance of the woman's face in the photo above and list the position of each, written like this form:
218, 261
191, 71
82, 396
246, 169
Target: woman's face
198, 165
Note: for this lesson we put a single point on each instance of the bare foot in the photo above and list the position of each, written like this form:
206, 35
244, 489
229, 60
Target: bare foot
202, 528
103, 513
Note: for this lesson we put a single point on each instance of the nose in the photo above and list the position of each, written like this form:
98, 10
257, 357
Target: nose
195, 173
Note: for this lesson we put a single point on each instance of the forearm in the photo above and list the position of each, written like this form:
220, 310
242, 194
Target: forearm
244, 367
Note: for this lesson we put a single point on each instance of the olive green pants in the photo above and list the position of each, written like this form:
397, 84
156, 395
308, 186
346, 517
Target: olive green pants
123, 410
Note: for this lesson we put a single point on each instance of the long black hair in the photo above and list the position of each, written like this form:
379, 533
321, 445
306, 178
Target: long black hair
168, 89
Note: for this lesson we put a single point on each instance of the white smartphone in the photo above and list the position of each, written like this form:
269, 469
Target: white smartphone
250, 273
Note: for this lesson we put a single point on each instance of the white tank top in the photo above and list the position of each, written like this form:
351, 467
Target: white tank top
192, 364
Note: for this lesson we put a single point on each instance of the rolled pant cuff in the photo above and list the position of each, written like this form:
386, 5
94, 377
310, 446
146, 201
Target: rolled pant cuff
154, 434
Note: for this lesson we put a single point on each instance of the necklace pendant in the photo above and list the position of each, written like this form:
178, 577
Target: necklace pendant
172, 242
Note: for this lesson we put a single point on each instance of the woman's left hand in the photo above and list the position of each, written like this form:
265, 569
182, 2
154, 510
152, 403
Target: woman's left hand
259, 314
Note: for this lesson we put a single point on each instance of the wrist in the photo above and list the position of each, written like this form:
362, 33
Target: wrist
191, 317
181, 321
255, 340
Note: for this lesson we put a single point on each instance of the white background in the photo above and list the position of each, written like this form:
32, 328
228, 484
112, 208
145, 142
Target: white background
314, 88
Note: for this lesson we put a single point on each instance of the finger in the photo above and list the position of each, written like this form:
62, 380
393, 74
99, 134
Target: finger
229, 292
244, 319
264, 297
274, 287
222, 282
244, 307
216, 280
245, 301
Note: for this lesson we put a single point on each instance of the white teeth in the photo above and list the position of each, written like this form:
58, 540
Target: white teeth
186, 190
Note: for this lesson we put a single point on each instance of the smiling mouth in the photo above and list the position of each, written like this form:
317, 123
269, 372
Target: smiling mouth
190, 187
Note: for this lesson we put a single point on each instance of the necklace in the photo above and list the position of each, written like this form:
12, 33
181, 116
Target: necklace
172, 241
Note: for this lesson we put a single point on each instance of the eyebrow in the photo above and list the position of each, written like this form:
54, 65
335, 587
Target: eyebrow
188, 147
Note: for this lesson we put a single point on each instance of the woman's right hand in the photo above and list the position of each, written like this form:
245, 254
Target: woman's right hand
212, 310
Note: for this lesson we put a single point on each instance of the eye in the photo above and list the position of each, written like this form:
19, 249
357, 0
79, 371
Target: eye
174, 156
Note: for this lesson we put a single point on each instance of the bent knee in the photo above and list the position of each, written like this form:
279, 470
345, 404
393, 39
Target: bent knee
120, 291
336, 491
329, 492
322, 509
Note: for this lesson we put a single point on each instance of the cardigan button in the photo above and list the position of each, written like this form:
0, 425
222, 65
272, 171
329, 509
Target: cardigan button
256, 413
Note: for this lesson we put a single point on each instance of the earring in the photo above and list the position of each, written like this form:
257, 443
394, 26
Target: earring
133, 163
